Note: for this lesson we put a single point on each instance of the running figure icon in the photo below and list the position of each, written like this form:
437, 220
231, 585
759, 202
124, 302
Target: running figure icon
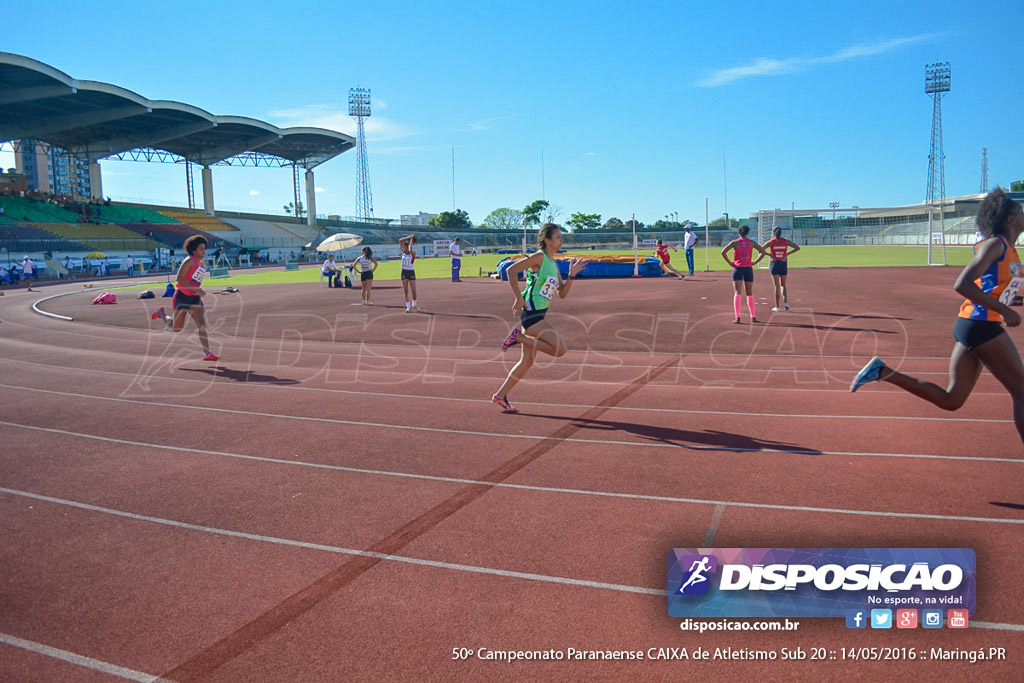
697, 571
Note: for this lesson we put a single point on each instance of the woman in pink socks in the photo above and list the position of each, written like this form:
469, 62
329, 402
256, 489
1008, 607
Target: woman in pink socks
743, 269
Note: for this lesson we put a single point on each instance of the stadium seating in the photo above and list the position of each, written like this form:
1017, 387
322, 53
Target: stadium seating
123, 213
103, 237
263, 234
26, 238
199, 220
172, 235
35, 211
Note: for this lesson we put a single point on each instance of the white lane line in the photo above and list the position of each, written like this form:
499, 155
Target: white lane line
340, 550
80, 660
525, 487
57, 316
501, 435
695, 371
504, 573
678, 411
997, 626
275, 348
716, 519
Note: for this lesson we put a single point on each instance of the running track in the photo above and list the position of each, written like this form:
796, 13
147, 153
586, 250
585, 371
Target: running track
337, 500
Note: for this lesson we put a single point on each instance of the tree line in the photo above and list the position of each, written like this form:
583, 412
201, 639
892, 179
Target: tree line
541, 211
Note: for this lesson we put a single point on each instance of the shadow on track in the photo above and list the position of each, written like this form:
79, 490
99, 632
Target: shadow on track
710, 440
245, 376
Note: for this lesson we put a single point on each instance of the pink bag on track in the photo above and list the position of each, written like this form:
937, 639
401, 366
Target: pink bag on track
105, 298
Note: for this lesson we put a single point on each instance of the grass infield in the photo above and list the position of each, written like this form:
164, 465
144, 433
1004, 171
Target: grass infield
428, 268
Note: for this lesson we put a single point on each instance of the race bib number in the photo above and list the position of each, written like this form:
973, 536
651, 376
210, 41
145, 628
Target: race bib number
549, 289
1012, 291
197, 277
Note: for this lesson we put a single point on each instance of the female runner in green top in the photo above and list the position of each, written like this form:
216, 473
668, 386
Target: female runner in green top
543, 281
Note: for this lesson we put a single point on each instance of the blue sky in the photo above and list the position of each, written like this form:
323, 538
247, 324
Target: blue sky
633, 107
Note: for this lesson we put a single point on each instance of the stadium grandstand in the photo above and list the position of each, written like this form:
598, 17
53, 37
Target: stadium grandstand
902, 225
91, 121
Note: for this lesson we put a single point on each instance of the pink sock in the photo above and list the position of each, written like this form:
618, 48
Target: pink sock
750, 305
736, 304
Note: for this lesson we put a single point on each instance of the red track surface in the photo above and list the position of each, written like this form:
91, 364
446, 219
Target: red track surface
201, 522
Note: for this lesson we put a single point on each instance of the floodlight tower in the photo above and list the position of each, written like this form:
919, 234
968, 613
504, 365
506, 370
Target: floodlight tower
359, 107
984, 170
936, 83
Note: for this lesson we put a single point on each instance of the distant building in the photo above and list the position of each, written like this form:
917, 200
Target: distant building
418, 220
12, 183
52, 169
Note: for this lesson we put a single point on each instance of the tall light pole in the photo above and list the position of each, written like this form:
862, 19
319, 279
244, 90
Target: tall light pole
834, 205
359, 108
937, 77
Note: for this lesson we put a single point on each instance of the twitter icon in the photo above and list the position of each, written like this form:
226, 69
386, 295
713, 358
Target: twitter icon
881, 618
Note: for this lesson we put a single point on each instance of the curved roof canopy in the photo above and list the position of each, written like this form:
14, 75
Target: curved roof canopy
99, 120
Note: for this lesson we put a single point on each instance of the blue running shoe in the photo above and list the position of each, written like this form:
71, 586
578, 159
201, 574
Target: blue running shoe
872, 372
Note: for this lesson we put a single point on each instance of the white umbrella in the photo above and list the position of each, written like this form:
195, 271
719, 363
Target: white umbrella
339, 241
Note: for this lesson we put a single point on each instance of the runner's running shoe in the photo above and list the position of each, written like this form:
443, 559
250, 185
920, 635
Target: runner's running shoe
505, 406
872, 372
511, 339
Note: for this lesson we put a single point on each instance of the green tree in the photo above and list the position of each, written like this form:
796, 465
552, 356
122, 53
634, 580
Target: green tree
533, 212
452, 221
584, 221
628, 225
295, 209
1017, 186
720, 223
613, 223
504, 219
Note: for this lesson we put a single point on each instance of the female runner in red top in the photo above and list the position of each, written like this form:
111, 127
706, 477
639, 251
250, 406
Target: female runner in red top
779, 249
662, 252
188, 294
743, 269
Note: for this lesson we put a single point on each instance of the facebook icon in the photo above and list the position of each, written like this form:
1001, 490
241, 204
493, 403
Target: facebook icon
856, 618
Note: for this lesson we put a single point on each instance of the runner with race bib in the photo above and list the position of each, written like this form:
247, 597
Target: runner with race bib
188, 294
409, 273
779, 250
990, 282
543, 283
743, 249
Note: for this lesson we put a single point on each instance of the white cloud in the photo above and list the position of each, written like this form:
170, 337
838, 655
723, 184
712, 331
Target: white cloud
253, 193
320, 189
772, 67
401, 150
486, 124
330, 117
